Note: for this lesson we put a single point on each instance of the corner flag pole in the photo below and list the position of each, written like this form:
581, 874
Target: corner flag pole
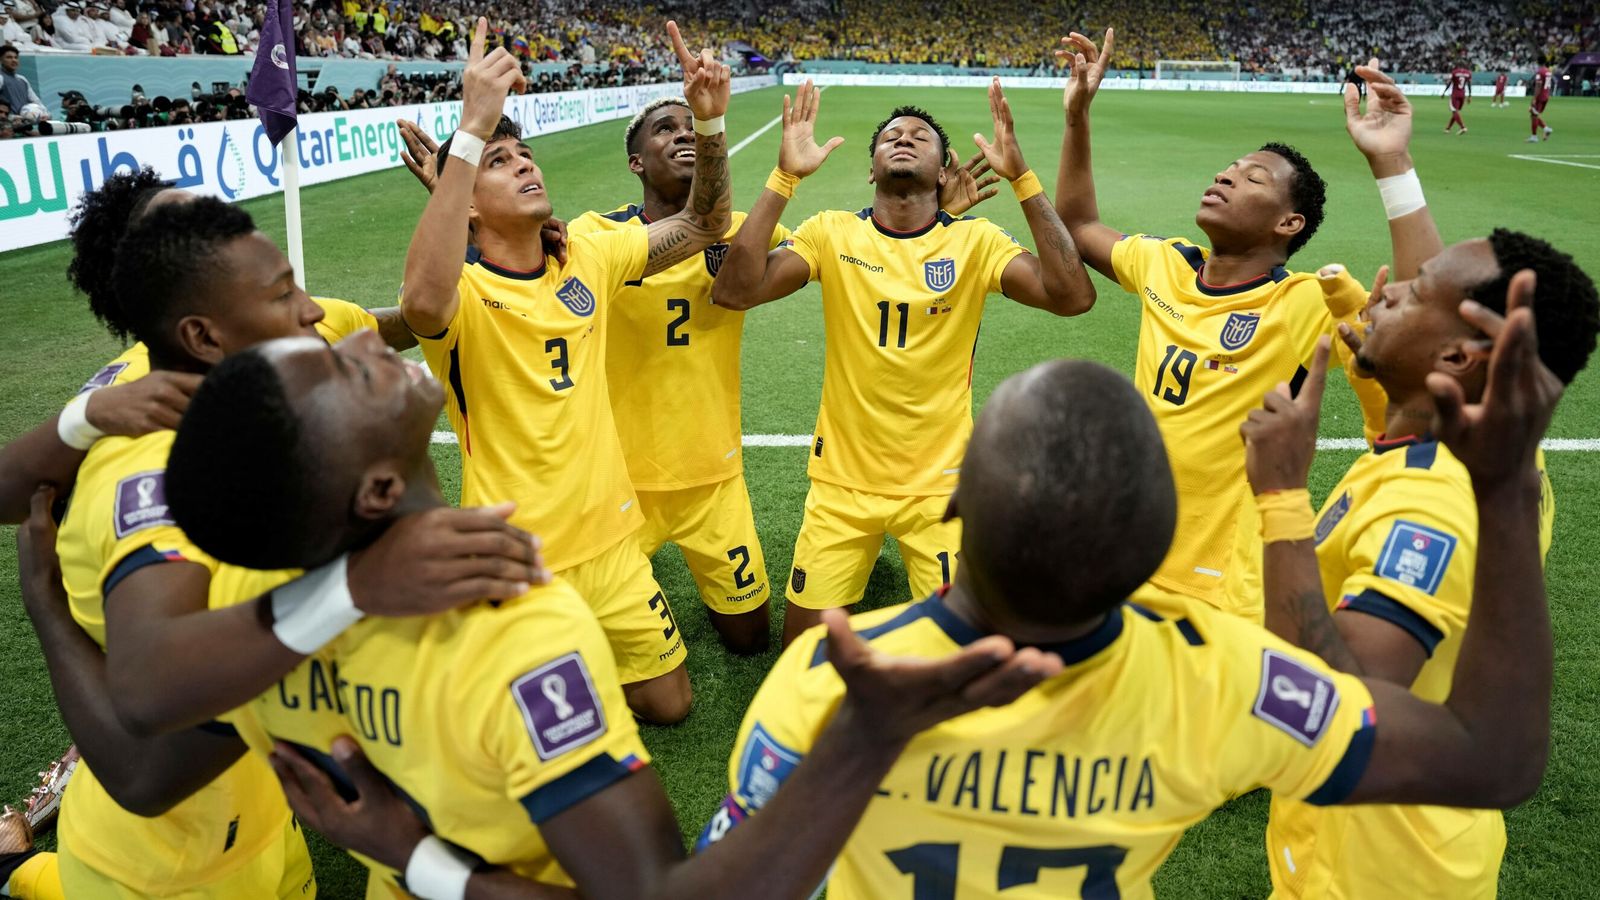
272, 91
291, 205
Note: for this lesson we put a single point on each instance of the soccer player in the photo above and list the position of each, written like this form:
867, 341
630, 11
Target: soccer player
1499, 99
1219, 327
1458, 84
1082, 786
522, 344
903, 288
526, 758
1543, 84
196, 282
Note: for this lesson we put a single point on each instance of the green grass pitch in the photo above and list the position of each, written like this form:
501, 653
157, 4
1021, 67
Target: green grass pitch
1155, 153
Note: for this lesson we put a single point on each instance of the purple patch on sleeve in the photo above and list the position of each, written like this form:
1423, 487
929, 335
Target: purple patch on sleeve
560, 705
103, 378
1294, 697
141, 503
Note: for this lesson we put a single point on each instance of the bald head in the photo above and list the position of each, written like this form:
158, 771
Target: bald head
1066, 497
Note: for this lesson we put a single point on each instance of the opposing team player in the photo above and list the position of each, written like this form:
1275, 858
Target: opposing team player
903, 288
1543, 84
1219, 326
1499, 100
1084, 785
526, 758
521, 340
1458, 85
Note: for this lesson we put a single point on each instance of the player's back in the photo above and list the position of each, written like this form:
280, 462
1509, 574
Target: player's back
1460, 81
1084, 785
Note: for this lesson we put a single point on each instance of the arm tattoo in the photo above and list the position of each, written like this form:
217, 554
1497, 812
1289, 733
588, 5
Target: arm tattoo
710, 175
676, 238
1317, 632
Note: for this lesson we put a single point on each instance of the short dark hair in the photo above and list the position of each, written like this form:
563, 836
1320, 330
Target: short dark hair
7, 48
505, 128
1565, 306
1307, 192
165, 263
239, 480
98, 223
637, 122
916, 112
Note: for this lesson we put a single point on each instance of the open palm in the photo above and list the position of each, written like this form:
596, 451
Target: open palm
799, 154
1385, 128
1088, 66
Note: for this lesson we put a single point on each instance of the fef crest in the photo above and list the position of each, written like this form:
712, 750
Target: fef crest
1239, 329
576, 296
940, 274
715, 254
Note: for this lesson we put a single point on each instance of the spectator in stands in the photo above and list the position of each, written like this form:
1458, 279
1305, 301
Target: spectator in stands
75, 31
15, 91
106, 34
119, 16
12, 33
142, 38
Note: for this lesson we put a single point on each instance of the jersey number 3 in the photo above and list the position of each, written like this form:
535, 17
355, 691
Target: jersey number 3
932, 868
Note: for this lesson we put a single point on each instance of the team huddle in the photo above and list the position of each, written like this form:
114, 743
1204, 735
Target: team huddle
1126, 611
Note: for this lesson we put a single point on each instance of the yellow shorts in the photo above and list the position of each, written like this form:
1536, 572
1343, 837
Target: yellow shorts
282, 870
621, 589
843, 532
716, 530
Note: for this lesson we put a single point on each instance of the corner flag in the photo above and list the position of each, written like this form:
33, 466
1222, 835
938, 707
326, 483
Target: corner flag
273, 85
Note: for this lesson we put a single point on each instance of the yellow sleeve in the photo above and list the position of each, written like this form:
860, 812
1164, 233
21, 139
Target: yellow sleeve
588, 223
1131, 256
1343, 298
1292, 724
999, 248
1410, 561
131, 365
809, 242
159, 541
341, 318
779, 235
553, 714
623, 251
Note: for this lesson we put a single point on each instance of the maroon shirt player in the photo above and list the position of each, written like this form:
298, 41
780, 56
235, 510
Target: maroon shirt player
1543, 83
1499, 91
1459, 85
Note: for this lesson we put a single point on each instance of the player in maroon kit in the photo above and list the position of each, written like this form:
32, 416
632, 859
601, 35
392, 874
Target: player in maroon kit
1459, 85
1499, 92
1543, 84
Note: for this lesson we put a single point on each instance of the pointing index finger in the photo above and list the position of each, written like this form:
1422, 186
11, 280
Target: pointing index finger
480, 36
1317, 378
685, 58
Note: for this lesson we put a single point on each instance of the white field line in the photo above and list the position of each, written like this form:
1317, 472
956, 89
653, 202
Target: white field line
760, 131
1553, 161
1553, 445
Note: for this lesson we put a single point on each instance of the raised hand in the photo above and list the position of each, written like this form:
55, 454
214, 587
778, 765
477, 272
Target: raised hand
488, 80
1280, 438
1385, 128
1353, 339
707, 83
967, 184
437, 560
153, 403
1497, 438
376, 822
798, 153
899, 697
1087, 69
419, 153
1002, 153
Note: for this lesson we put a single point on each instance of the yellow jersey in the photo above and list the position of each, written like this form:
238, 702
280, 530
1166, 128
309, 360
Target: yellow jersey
340, 318
673, 366
530, 721
1082, 786
1207, 355
900, 315
117, 523
525, 361
1397, 539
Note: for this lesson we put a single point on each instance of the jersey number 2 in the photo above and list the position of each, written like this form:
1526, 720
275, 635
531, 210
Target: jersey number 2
674, 337
932, 868
1180, 365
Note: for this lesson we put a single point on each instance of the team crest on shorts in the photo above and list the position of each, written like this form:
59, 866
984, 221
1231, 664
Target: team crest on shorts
797, 580
1239, 329
715, 254
141, 503
940, 274
576, 296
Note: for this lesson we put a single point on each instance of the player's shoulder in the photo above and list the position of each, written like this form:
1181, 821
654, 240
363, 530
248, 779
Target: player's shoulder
922, 628
117, 455
626, 216
505, 638
1424, 461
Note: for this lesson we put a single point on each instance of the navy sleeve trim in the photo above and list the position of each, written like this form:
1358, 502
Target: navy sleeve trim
1347, 774
147, 555
1190, 633
1422, 455
219, 729
1374, 603
585, 781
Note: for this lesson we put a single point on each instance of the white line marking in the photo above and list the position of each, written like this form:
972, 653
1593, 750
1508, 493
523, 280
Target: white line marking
1551, 445
1557, 162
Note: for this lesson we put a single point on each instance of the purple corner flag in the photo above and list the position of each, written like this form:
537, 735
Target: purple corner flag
273, 86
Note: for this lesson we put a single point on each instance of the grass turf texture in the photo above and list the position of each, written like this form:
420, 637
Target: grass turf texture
1154, 155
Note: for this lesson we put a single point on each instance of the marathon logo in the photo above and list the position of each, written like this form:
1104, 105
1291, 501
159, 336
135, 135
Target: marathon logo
852, 261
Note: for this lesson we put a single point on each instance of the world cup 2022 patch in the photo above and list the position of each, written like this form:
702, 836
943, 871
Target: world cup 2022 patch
141, 502
1295, 698
560, 706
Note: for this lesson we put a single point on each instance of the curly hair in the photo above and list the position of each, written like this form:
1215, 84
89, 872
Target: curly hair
915, 112
1565, 306
505, 128
1307, 192
98, 223
165, 264
637, 121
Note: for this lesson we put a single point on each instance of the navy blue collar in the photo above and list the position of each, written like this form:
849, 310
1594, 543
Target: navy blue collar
476, 257
1197, 261
1071, 652
939, 218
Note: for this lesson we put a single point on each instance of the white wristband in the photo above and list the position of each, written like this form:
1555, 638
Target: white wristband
314, 609
709, 127
73, 425
466, 147
1402, 194
438, 871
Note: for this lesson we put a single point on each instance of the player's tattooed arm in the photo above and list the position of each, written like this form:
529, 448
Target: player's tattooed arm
393, 329
1075, 196
707, 86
